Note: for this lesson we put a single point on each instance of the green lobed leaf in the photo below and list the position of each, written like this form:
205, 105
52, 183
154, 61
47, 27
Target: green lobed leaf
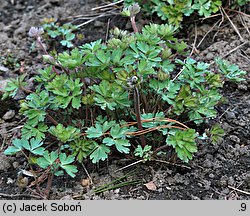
18, 145
11, 150
64, 134
120, 144
183, 143
70, 169
100, 153
64, 160
39, 131
216, 133
118, 132
99, 129
48, 159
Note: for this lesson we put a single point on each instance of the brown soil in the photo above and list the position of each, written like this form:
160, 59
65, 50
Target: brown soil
215, 169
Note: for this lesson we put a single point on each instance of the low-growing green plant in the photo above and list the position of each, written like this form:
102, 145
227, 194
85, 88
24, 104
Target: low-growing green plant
13, 86
230, 71
64, 32
216, 133
145, 153
237, 3
173, 11
9, 61
102, 98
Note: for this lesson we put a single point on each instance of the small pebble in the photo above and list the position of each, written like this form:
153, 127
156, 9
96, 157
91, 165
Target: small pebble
160, 190
242, 87
15, 165
199, 184
10, 181
234, 138
231, 181
241, 123
9, 115
67, 197
211, 175
3, 69
4, 162
210, 56
225, 191
116, 191
98, 23
223, 181
207, 163
230, 115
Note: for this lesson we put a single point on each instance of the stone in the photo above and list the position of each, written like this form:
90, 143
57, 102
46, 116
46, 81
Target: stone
15, 165
9, 115
3, 84
3, 69
242, 87
4, 162
67, 197
234, 138
230, 115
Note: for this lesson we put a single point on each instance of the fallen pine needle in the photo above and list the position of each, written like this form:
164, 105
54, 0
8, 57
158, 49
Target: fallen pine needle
241, 191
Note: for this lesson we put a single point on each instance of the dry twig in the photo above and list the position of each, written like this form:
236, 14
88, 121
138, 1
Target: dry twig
86, 171
207, 33
241, 191
107, 31
107, 5
237, 11
129, 165
243, 22
94, 18
214, 15
178, 75
234, 49
235, 28
173, 164
245, 56
15, 196
195, 40
231, 51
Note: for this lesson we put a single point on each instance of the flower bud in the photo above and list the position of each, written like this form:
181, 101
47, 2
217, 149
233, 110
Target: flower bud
116, 31
49, 59
132, 10
34, 31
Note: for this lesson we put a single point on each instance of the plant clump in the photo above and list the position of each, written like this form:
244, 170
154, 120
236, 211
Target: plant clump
134, 95
174, 11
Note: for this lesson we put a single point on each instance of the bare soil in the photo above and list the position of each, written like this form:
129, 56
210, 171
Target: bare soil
218, 171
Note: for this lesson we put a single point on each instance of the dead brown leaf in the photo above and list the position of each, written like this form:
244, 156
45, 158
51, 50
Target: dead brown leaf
85, 182
151, 186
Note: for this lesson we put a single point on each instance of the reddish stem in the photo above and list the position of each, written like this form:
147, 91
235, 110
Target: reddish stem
49, 184
132, 19
52, 119
138, 114
38, 39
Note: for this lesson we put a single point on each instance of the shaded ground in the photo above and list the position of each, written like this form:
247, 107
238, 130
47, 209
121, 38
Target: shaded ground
215, 170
